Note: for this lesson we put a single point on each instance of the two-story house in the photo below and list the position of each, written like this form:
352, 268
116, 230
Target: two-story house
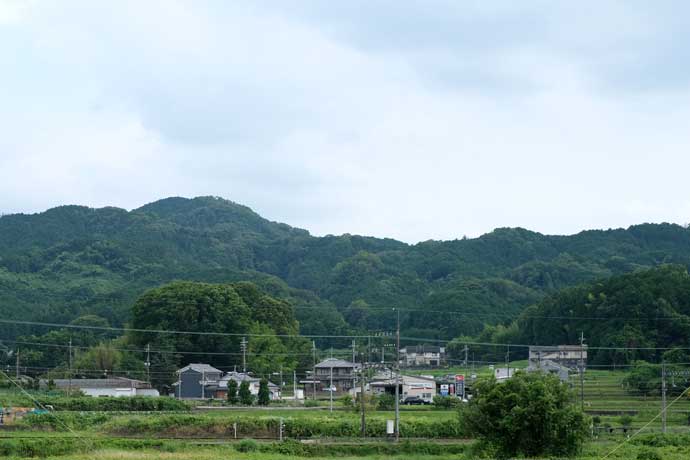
338, 372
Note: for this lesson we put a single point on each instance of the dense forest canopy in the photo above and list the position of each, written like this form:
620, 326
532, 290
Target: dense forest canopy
72, 261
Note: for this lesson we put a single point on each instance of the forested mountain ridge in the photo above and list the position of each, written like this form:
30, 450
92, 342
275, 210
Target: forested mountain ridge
72, 260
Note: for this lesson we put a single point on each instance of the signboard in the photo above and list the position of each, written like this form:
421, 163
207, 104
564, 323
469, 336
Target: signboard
460, 385
444, 390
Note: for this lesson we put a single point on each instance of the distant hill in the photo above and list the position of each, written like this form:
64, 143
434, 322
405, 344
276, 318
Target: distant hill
73, 260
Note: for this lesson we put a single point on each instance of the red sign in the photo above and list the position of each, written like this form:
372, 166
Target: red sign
459, 378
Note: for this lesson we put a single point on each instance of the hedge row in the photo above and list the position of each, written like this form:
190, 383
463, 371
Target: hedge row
260, 427
53, 447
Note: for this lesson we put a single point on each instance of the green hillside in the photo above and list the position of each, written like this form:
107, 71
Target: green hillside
71, 261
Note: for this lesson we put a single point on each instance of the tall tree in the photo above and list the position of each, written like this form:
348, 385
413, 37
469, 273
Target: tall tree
264, 395
232, 392
245, 395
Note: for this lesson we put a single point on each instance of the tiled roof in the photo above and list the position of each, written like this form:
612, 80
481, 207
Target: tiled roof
114, 382
335, 362
199, 367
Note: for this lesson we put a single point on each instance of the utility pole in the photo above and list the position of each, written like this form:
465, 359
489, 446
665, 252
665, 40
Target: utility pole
465, 363
243, 345
330, 388
508, 362
294, 385
313, 370
663, 397
397, 377
354, 383
582, 371
16, 370
361, 400
69, 387
148, 362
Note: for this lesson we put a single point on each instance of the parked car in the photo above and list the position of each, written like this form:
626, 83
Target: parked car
415, 400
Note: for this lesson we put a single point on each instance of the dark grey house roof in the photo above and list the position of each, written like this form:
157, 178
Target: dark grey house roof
201, 368
335, 362
113, 382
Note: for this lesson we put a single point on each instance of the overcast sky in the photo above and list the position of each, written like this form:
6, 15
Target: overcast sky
410, 119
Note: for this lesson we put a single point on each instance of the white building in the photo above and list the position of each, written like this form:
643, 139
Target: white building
410, 386
113, 386
422, 355
253, 382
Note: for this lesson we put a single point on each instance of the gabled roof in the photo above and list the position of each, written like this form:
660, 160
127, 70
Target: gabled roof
200, 367
335, 362
113, 382
241, 377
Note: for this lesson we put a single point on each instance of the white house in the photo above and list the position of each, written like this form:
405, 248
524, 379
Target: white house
254, 382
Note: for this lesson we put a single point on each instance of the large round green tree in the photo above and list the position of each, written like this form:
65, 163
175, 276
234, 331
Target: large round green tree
530, 414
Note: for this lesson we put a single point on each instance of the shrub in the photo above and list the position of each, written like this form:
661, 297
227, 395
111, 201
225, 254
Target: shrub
625, 420
528, 415
247, 445
446, 402
648, 454
385, 402
311, 403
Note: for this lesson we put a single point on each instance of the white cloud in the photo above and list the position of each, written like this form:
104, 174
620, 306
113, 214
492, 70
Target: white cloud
344, 123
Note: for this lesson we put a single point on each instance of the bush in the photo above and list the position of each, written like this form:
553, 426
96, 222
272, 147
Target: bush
529, 415
446, 402
649, 454
311, 403
625, 420
385, 402
247, 445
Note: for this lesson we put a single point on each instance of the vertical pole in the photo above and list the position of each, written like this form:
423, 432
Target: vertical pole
397, 378
582, 372
361, 400
313, 370
663, 397
330, 388
69, 386
16, 370
508, 362
354, 384
294, 385
203, 384
369, 349
244, 355
148, 362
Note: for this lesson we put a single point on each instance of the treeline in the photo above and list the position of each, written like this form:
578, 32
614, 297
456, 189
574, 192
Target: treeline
644, 315
74, 261
214, 316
